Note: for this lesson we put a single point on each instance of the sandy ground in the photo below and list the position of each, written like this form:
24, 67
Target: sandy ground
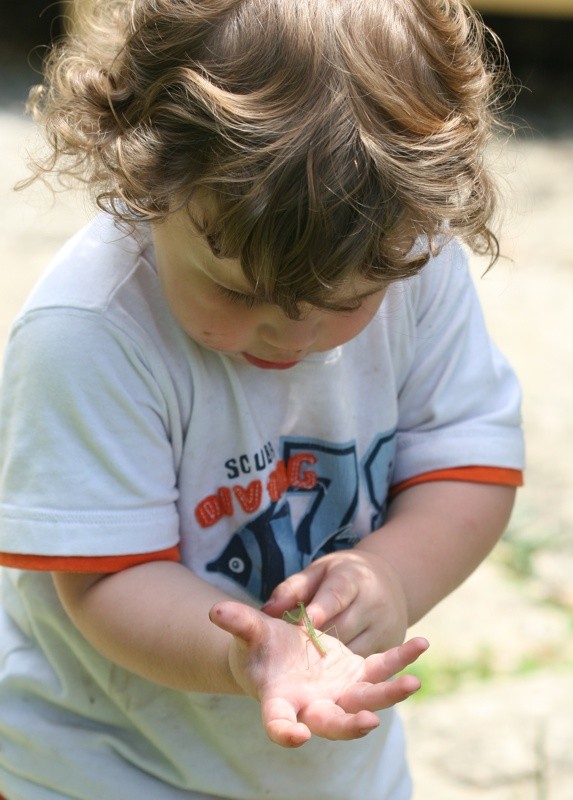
496, 721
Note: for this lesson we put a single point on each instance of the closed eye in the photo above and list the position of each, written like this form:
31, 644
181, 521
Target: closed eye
247, 300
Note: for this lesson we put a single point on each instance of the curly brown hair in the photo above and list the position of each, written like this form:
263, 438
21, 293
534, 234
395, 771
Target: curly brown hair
337, 136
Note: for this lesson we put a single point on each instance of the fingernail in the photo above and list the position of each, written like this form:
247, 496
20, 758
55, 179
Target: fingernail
365, 731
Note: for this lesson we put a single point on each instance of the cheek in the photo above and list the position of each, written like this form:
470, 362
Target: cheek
209, 323
347, 328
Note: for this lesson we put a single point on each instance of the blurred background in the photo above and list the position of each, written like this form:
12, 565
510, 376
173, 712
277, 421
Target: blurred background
494, 719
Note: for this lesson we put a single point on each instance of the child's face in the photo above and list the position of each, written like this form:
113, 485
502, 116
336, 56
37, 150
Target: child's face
213, 302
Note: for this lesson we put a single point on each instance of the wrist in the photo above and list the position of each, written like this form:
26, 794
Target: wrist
396, 600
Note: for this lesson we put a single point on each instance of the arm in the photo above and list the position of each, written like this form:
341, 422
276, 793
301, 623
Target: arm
436, 534
152, 619
156, 621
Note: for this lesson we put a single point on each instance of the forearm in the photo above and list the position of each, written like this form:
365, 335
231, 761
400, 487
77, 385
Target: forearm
153, 620
436, 534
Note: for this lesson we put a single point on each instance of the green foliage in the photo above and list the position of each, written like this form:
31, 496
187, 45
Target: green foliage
444, 677
518, 548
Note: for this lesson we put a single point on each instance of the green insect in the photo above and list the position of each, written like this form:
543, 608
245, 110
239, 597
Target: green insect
312, 633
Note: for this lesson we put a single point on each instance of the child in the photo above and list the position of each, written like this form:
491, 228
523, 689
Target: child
260, 378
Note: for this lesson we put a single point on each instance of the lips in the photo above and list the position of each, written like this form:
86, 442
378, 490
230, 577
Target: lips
262, 364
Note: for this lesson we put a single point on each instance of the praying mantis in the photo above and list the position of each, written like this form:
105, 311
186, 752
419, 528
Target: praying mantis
312, 633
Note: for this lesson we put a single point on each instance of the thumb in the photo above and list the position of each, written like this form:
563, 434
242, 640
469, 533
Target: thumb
300, 587
238, 619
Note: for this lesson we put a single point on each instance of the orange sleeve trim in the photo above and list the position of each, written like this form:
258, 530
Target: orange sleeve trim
85, 563
492, 475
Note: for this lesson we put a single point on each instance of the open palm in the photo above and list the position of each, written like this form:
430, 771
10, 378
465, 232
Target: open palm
303, 691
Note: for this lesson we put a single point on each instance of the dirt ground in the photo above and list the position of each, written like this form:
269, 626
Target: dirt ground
495, 720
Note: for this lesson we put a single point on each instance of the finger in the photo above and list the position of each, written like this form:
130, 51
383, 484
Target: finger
238, 619
288, 734
281, 725
381, 666
377, 691
364, 643
376, 697
299, 587
334, 596
328, 720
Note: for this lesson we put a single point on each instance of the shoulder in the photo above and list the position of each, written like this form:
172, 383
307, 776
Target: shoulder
438, 305
440, 296
445, 273
90, 268
100, 291
98, 321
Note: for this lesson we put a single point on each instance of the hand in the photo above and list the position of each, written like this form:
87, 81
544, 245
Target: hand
303, 692
357, 591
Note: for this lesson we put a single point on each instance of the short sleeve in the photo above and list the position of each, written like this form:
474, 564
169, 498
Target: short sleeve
86, 465
459, 401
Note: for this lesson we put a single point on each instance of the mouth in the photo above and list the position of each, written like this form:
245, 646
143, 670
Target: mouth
262, 364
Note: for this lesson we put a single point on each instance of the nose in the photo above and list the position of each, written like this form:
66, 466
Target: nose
290, 335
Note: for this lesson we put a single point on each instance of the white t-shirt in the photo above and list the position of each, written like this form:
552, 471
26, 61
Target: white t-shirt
122, 440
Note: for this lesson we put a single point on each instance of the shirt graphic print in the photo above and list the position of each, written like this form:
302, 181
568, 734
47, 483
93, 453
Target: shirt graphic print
304, 509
